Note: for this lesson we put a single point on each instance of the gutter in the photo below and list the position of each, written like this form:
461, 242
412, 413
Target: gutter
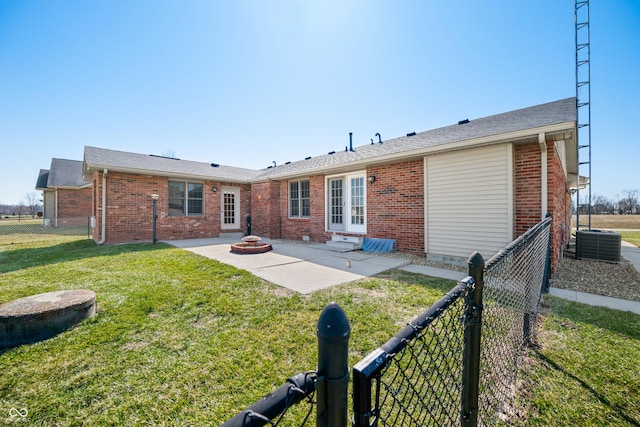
103, 237
544, 187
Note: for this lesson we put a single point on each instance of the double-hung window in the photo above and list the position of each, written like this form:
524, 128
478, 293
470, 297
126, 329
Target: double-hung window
299, 206
186, 198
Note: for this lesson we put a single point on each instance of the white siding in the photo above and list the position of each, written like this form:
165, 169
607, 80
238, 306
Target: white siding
469, 201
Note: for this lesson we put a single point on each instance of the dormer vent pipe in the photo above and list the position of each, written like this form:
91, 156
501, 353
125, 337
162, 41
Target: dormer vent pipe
351, 141
379, 137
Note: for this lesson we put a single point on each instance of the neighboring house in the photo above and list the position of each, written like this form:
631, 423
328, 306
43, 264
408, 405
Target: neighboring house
66, 196
475, 185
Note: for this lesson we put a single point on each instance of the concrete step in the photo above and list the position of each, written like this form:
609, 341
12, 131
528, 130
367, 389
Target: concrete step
341, 246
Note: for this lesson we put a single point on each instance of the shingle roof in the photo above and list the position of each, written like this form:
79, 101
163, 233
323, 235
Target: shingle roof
100, 158
62, 173
491, 127
539, 116
43, 177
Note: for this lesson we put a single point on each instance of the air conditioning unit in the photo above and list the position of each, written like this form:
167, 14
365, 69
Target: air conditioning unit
600, 245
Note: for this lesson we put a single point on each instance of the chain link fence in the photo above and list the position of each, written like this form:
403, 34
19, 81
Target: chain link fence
70, 226
455, 364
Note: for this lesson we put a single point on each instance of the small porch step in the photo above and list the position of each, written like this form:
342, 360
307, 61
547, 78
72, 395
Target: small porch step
341, 246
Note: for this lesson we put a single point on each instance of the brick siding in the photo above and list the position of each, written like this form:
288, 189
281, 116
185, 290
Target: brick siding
130, 210
395, 205
74, 203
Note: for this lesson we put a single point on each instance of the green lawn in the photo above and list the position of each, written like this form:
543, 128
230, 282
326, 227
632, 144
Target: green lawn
632, 237
183, 340
585, 370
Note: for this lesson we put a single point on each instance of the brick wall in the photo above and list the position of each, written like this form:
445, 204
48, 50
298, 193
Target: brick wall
130, 210
395, 205
559, 203
74, 203
265, 209
528, 187
314, 226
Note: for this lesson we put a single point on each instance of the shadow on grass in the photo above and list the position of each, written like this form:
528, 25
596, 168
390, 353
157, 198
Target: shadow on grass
619, 411
22, 258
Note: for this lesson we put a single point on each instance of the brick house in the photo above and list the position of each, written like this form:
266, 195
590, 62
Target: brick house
66, 196
447, 192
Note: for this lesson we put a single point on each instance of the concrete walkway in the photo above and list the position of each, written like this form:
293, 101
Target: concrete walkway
305, 268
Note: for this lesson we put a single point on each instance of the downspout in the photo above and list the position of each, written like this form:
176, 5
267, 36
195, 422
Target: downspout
544, 185
103, 237
55, 208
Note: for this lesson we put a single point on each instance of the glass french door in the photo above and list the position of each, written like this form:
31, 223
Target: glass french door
347, 203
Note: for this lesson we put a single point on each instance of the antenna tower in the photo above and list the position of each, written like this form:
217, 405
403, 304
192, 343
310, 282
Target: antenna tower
583, 112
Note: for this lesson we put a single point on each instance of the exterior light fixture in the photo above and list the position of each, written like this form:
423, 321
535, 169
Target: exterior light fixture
214, 189
371, 179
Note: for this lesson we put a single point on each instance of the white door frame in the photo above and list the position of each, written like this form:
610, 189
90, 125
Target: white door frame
230, 213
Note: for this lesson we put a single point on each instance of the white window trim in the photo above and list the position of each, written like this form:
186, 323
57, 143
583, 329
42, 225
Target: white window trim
186, 197
299, 216
346, 200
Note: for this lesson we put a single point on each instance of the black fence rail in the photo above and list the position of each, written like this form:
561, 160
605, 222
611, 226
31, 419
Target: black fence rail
455, 364
72, 226
415, 378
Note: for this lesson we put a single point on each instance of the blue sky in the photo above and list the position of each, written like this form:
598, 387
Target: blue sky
246, 83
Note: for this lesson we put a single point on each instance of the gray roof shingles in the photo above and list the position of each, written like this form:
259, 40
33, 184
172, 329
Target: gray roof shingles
552, 113
62, 174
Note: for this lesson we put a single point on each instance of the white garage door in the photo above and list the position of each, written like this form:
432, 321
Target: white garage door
468, 201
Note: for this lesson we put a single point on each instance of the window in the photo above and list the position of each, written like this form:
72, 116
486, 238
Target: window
299, 206
186, 198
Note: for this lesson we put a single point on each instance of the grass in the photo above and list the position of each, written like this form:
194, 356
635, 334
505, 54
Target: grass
585, 371
179, 339
183, 340
611, 222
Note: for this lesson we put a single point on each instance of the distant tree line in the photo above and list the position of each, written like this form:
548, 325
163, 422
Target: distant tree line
627, 204
30, 206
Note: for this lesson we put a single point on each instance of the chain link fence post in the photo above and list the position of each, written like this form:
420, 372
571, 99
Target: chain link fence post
333, 331
471, 352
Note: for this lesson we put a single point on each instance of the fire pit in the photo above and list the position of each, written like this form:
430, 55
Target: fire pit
251, 245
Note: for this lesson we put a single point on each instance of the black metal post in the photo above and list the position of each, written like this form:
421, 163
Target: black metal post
155, 217
472, 334
333, 331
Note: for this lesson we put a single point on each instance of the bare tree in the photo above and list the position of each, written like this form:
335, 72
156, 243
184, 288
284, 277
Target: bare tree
20, 209
33, 204
629, 202
601, 205
169, 153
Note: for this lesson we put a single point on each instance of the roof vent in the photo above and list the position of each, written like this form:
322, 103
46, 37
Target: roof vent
287, 163
332, 152
463, 122
164, 157
411, 134
307, 158
215, 165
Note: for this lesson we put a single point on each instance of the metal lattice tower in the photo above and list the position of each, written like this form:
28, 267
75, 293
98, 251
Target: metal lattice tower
583, 111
